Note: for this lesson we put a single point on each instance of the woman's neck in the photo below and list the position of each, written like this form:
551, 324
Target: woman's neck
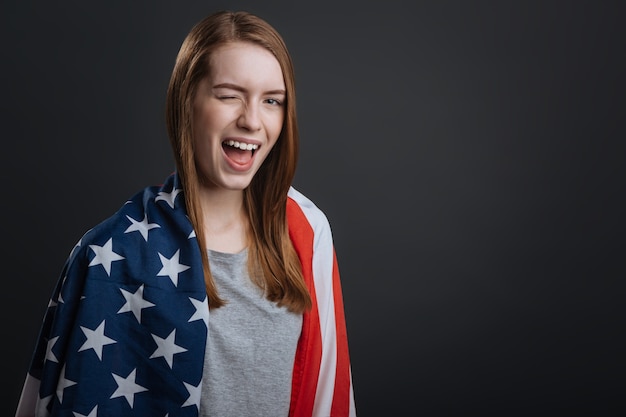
225, 220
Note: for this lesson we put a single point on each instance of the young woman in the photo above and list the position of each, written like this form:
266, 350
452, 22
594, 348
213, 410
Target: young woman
216, 293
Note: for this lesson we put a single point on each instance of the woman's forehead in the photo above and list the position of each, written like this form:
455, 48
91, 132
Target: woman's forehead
245, 63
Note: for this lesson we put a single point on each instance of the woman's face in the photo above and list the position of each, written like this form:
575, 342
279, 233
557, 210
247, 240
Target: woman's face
238, 114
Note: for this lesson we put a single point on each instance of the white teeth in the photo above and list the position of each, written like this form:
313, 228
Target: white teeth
241, 145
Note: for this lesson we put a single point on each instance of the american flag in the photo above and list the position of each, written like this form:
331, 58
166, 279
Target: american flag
126, 327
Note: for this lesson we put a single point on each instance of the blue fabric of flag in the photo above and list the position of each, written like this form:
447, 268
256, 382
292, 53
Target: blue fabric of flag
126, 328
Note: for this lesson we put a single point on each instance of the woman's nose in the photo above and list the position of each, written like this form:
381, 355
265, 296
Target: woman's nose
249, 118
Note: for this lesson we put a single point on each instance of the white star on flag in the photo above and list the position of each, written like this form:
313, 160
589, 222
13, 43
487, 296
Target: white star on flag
202, 310
168, 197
194, 394
63, 383
42, 404
142, 227
126, 387
95, 339
92, 413
171, 267
134, 302
50, 356
167, 348
104, 256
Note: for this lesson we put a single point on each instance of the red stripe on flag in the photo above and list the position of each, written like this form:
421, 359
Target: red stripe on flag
309, 350
341, 396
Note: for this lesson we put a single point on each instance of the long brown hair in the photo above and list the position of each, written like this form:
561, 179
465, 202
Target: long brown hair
269, 248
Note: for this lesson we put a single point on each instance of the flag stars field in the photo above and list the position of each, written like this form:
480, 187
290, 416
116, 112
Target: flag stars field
95, 339
167, 348
201, 310
50, 356
169, 198
142, 227
92, 413
127, 388
194, 394
104, 256
134, 302
172, 267
63, 383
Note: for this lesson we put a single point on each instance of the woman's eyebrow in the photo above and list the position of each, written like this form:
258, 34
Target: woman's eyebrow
240, 88
229, 86
276, 92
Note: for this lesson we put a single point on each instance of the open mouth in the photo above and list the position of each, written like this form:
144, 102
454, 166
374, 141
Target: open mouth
239, 152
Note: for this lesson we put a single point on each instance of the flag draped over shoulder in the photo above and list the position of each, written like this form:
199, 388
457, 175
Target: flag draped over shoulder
125, 331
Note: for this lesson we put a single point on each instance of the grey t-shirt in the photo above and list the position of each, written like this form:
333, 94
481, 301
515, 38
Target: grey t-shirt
250, 348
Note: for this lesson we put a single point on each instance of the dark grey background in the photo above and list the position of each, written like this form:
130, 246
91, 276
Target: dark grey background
468, 154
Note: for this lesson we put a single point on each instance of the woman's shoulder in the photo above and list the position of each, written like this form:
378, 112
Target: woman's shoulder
302, 212
151, 208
